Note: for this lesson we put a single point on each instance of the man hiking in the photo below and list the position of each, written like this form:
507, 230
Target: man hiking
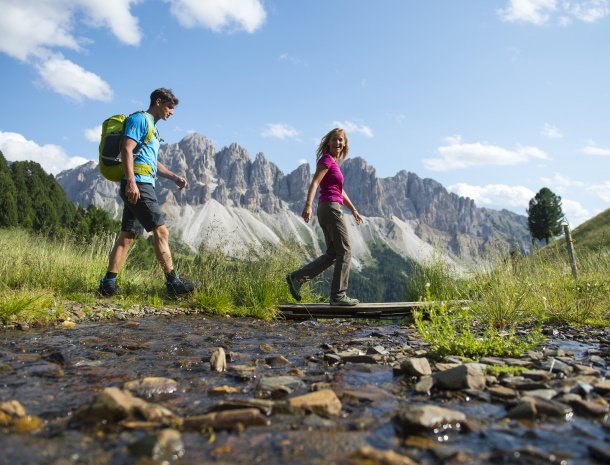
141, 208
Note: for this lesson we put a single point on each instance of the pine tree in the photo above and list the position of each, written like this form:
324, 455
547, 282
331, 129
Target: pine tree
8, 201
545, 215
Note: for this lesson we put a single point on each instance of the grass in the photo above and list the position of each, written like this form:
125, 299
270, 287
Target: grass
40, 276
508, 293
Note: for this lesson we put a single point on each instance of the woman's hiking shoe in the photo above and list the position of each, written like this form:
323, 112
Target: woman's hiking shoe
344, 301
108, 287
179, 286
294, 285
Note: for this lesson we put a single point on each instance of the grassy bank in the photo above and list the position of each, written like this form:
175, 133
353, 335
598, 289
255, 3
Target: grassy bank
40, 276
510, 293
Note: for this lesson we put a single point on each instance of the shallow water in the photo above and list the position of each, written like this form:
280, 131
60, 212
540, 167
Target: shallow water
53, 372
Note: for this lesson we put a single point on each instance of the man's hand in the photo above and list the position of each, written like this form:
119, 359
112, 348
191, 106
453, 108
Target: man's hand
181, 182
131, 191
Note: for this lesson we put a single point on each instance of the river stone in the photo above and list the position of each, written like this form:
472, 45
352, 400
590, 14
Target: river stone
532, 408
242, 372
263, 405
591, 408
602, 387
547, 394
467, 376
324, 403
218, 360
167, 445
11, 410
275, 361
424, 385
227, 420
427, 417
368, 455
278, 386
502, 392
416, 367
364, 394
151, 386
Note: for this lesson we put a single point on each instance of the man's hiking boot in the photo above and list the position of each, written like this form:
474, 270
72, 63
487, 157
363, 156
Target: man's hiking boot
179, 286
108, 287
294, 285
343, 301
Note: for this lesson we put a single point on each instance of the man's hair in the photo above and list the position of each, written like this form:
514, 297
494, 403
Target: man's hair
166, 95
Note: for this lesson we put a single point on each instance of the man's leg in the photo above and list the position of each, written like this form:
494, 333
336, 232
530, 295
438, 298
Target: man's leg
119, 252
161, 245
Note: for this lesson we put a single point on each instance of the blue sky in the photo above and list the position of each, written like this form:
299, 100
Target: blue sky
494, 99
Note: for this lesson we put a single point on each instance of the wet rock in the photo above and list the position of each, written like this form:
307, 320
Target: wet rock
532, 408
602, 387
467, 376
502, 392
277, 386
268, 348
557, 366
226, 420
591, 408
55, 356
222, 390
48, 370
377, 350
599, 452
11, 411
364, 358
416, 367
263, 405
276, 361
324, 403
113, 405
166, 445
332, 359
242, 372
27, 424
424, 385
537, 375
151, 386
547, 394
218, 360
364, 394
427, 417
370, 456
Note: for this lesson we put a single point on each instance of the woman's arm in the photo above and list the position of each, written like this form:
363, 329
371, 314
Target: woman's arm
348, 203
311, 193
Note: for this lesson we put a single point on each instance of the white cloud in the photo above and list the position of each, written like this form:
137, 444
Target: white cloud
561, 183
33, 30
596, 151
601, 190
51, 157
69, 79
528, 11
495, 195
292, 59
352, 126
574, 212
456, 155
540, 12
551, 132
280, 131
94, 134
216, 15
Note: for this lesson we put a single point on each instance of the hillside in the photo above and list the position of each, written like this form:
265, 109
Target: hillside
593, 234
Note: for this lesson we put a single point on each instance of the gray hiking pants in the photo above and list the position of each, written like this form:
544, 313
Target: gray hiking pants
334, 227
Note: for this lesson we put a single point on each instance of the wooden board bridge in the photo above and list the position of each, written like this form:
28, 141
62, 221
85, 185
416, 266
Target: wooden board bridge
303, 311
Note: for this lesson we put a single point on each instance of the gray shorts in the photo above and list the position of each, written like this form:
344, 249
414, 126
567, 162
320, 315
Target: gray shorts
144, 214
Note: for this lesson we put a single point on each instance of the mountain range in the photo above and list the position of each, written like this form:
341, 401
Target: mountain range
236, 202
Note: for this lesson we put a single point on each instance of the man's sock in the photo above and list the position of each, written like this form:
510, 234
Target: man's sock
171, 276
110, 276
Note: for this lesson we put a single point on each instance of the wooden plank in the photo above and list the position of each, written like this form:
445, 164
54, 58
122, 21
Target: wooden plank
362, 310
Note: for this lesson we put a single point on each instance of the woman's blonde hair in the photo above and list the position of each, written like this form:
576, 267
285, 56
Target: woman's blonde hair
324, 146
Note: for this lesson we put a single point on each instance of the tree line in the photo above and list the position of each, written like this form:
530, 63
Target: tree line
32, 199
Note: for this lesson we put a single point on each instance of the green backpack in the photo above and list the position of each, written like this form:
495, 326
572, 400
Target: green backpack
110, 163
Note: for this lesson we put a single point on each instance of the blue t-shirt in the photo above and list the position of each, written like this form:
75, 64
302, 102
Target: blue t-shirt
145, 157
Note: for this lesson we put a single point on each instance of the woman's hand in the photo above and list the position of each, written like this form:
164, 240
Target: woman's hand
357, 216
307, 212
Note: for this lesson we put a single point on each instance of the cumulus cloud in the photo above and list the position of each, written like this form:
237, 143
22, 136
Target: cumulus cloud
247, 15
32, 32
495, 195
561, 183
540, 12
551, 132
71, 80
353, 127
94, 134
457, 155
574, 212
601, 190
52, 158
596, 151
280, 131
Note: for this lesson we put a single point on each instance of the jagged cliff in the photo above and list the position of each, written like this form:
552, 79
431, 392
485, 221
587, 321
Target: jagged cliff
233, 201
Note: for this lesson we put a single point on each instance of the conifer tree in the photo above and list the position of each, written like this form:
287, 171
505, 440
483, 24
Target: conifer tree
544, 215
